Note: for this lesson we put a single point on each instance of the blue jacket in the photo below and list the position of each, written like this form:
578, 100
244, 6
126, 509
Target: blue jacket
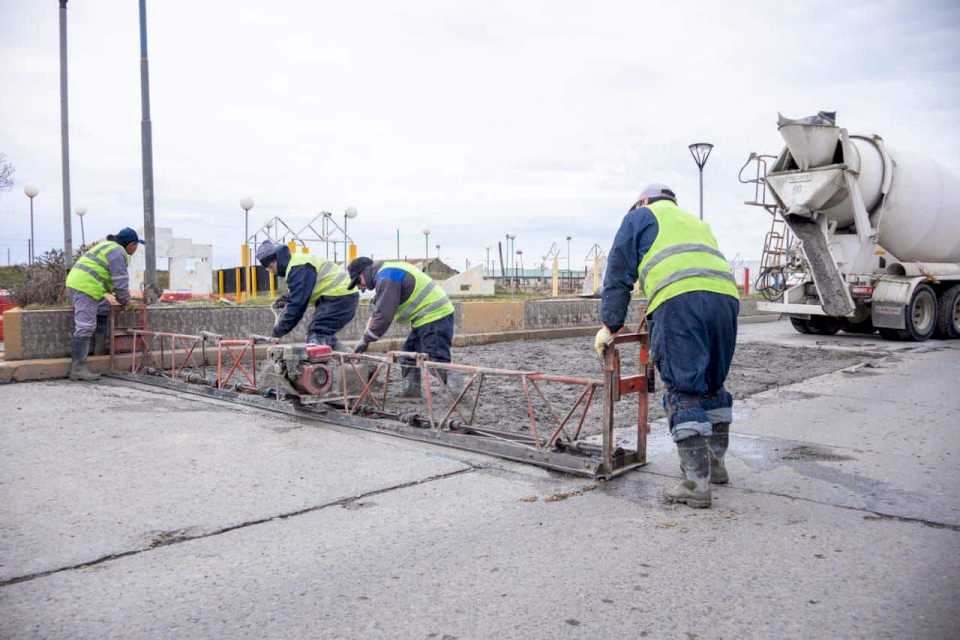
300, 283
634, 238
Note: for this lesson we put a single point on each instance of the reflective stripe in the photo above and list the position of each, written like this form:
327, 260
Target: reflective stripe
99, 278
721, 415
324, 270
686, 430
683, 274
674, 250
412, 305
336, 281
95, 257
433, 307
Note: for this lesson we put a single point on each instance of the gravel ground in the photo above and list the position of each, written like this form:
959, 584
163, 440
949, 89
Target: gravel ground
756, 367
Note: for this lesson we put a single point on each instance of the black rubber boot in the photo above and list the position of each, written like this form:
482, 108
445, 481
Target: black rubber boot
78, 365
100, 347
694, 489
412, 387
719, 442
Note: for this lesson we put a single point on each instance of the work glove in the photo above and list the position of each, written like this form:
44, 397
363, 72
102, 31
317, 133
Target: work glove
362, 347
604, 339
280, 302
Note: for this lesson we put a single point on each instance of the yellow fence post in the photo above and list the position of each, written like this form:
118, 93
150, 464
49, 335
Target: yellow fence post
351, 253
253, 283
220, 281
237, 291
273, 285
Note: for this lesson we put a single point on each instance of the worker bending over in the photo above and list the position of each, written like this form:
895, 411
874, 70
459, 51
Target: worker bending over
98, 279
311, 280
406, 294
692, 307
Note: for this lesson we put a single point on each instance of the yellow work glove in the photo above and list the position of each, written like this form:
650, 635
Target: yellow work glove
603, 339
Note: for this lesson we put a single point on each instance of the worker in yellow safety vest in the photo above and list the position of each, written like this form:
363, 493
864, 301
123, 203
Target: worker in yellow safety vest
311, 281
98, 279
692, 306
404, 293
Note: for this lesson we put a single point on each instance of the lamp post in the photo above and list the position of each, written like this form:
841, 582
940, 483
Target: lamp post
515, 272
438, 252
246, 204
31, 192
512, 263
700, 152
486, 264
569, 266
348, 214
82, 211
65, 140
426, 244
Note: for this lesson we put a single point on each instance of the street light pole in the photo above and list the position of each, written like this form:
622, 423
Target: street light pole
426, 245
700, 152
31, 192
246, 204
65, 140
348, 213
150, 288
569, 267
82, 211
438, 252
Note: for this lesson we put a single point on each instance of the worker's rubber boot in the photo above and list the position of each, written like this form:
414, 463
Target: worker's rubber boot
412, 387
100, 347
718, 448
694, 489
78, 364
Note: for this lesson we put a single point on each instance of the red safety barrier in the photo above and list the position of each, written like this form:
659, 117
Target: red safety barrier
6, 302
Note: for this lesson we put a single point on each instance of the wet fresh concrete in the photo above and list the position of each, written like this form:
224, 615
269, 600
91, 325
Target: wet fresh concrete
833, 525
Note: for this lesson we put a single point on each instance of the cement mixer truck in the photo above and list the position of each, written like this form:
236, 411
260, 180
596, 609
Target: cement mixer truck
863, 237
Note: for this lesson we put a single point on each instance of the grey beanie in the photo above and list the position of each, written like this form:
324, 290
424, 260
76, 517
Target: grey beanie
267, 252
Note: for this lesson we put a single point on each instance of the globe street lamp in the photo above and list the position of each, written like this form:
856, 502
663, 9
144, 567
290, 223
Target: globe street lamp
31, 192
700, 152
82, 211
348, 214
246, 204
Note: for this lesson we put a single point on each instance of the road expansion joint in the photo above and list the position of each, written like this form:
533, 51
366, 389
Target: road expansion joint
177, 536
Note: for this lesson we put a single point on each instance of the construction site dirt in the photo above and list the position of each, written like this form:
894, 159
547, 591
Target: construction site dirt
756, 368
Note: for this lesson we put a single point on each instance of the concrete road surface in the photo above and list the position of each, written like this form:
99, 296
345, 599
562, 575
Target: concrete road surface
127, 513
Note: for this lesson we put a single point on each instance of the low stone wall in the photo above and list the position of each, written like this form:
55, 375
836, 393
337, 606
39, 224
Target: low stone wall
46, 333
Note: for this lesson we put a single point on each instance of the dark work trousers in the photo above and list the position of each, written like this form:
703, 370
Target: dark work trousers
433, 339
331, 314
692, 338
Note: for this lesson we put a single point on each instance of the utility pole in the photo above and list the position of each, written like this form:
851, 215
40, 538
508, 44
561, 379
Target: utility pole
150, 289
398, 244
65, 140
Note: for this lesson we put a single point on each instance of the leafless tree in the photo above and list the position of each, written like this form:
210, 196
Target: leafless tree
6, 173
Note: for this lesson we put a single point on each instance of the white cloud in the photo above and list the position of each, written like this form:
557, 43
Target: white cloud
473, 119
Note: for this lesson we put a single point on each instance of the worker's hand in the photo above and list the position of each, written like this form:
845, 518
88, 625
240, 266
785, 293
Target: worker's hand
602, 341
361, 347
112, 299
281, 302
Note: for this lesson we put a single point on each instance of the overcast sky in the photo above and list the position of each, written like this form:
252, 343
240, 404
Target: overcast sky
472, 119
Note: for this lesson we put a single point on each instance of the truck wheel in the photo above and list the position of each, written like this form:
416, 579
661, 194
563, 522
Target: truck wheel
921, 315
948, 314
864, 327
825, 325
801, 325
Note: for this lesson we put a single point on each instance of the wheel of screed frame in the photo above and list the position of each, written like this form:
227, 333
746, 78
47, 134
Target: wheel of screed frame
948, 314
920, 315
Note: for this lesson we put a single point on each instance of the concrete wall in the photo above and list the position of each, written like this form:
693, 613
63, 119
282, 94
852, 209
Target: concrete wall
46, 333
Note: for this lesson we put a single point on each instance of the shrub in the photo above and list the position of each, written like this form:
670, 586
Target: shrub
44, 282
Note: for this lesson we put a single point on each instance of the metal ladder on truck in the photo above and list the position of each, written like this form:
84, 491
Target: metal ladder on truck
772, 279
